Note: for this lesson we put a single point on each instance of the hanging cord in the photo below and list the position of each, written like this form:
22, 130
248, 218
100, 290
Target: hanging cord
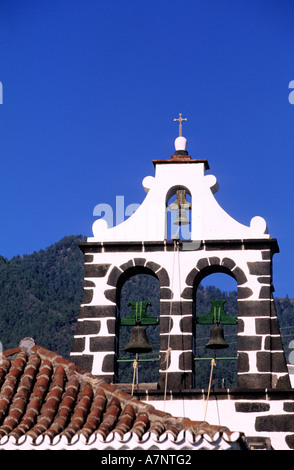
135, 365
213, 363
167, 356
217, 320
180, 290
169, 349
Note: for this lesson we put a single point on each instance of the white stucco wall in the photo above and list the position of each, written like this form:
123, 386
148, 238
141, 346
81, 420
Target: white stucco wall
209, 220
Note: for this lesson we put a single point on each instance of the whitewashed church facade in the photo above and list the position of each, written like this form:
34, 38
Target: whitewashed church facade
263, 402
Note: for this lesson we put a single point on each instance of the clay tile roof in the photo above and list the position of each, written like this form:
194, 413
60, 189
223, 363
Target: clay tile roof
47, 402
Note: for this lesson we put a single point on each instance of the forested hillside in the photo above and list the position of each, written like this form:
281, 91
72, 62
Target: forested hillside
41, 293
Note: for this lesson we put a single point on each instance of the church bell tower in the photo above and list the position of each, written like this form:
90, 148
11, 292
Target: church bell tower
216, 243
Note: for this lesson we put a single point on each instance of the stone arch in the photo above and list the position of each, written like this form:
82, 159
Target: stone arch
173, 189
211, 265
204, 268
119, 275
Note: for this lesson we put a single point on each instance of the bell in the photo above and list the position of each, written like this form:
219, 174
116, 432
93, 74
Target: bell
181, 218
138, 341
181, 204
217, 340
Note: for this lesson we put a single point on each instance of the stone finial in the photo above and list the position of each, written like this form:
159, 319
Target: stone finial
181, 144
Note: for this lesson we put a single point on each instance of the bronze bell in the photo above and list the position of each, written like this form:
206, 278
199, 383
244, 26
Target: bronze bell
181, 204
138, 341
217, 340
181, 218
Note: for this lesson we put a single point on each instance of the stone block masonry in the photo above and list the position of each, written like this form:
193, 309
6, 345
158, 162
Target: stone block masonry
262, 404
266, 416
261, 362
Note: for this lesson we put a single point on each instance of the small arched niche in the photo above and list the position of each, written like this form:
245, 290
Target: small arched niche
178, 213
140, 288
216, 293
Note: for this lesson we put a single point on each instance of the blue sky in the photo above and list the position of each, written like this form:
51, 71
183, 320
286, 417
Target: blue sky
90, 91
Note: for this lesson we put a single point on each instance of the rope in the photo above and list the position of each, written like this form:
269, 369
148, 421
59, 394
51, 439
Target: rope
135, 365
213, 363
167, 356
169, 349
180, 290
217, 320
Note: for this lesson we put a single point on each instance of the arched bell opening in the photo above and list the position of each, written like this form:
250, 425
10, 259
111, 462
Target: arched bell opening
178, 213
138, 303
215, 302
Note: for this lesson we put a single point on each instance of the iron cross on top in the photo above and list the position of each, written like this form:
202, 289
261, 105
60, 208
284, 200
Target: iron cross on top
180, 119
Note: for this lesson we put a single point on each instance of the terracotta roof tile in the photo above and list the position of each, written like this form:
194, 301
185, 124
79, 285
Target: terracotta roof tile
47, 401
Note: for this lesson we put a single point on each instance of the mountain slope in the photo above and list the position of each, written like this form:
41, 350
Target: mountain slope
41, 293
40, 296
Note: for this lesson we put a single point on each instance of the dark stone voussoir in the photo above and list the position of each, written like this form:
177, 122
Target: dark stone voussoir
166, 293
273, 343
228, 263
187, 325
186, 361
96, 270
88, 327
102, 343
260, 268
249, 343
140, 261
243, 362
275, 423
114, 275
252, 308
111, 295
78, 345
251, 407
153, 266
99, 311
191, 277
239, 276
166, 324
254, 381
129, 264
265, 292
263, 326
202, 263
244, 292
87, 296
283, 383
214, 261
164, 360
176, 342
108, 364
290, 441
187, 293
277, 362
163, 277
176, 380
176, 308
85, 361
